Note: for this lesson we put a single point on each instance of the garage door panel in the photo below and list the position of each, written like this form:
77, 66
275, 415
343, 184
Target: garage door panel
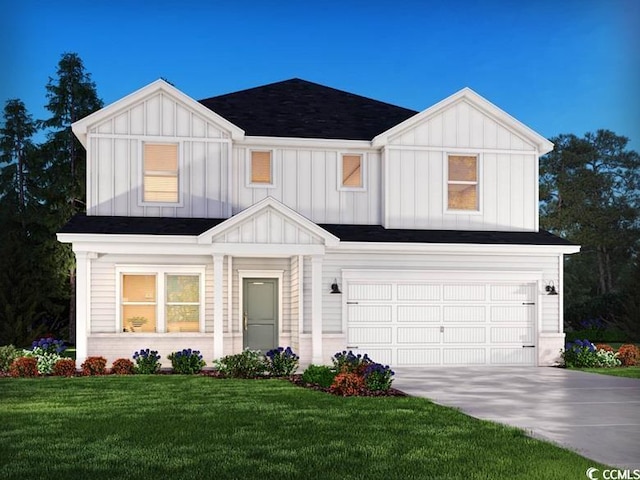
461, 313
524, 292
419, 335
464, 335
358, 291
369, 313
369, 335
512, 313
421, 292
464, 292
419, 313
419, 356
511, 335
513, 356
464, 356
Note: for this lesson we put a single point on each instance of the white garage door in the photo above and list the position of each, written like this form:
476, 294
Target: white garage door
454, 323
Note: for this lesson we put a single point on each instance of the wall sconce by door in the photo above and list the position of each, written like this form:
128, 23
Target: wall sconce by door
334, 286
551, 289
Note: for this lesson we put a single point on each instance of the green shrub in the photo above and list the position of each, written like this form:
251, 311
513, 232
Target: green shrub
44, 360
123, 366
94, 366
378, 377
248, 364
65, 367
24, 367
607, 359
8, 353
281, 362
319, 375
187, 361
580, 353
147, 361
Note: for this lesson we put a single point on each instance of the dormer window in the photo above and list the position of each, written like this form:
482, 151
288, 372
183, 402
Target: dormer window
351, 172
462, 183
160, 173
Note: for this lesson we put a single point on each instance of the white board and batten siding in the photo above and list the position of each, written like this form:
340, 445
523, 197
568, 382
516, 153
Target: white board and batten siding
306, 180
114, 155
415, 167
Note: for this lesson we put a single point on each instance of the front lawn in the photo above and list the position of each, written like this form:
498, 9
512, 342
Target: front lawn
186, 427
630, 372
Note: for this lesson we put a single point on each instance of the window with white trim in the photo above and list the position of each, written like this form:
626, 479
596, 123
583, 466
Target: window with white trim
261, 168
462, 183
351, 171
160, 173
161, 299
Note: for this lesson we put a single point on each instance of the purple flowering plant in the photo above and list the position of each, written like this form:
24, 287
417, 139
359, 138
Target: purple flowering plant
281, 362
580, 353
378, 377
147, 361
349, 362
186, 361
49, 345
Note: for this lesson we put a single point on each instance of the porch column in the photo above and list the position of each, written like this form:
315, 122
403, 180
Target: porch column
218, 312
316, 310
83, 304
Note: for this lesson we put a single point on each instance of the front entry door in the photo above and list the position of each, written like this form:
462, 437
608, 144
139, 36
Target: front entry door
260, 313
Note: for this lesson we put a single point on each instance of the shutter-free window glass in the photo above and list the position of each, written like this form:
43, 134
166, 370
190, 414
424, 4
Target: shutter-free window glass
352, 171
261, 167
139, 303
462, 183
182, 303
160, 172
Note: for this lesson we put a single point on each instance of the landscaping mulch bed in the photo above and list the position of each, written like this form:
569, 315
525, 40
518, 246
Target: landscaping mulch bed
392, 392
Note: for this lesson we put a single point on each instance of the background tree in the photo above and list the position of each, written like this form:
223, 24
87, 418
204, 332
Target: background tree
590, 192
71, 96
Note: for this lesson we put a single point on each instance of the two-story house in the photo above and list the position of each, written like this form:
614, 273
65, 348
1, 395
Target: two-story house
297, 214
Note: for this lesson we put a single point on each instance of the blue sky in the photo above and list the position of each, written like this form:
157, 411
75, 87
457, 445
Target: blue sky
568, 66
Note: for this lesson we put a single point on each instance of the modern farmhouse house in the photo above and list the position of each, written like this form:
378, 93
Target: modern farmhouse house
297, 214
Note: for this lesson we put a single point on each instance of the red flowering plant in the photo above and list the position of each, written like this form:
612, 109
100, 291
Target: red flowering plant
123, 366
94, 366
24, 367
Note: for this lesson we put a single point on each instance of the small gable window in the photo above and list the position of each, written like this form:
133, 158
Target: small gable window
261, 167
160, 173
352, 172
462, 183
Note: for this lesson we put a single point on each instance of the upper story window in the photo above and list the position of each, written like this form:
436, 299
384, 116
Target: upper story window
160, 173
352, 172
462, 183
261, 168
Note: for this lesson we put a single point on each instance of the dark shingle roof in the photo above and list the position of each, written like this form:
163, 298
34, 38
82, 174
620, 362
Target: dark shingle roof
82, 223
298, 108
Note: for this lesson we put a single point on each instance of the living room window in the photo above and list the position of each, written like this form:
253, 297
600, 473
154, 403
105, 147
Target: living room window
261, 168
160, 173
158, 299
462, 183
351, 172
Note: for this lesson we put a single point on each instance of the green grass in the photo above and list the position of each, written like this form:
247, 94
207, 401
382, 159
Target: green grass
180, 427
629, 372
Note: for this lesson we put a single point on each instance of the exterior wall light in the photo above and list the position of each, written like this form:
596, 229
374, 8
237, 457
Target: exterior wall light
551, 289
334, 286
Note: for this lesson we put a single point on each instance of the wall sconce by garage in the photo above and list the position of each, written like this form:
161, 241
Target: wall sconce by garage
334, 286
551, 289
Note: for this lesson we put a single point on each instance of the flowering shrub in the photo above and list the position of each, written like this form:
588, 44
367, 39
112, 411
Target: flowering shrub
319, 375
65, 367
123, 366
147, 361
248, 364
8, 353
604, 346
49, 345
94, 366
348, 384
24, 367
187, 361
44, 360
607, 359
350, 363
629, 355
580, 353
377, 377
281, 362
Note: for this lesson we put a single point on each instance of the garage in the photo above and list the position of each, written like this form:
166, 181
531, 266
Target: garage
442, 318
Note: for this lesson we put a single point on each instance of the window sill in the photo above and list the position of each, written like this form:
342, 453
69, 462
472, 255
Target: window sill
150, 335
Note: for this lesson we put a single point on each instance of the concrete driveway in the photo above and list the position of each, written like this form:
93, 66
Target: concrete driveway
597, 416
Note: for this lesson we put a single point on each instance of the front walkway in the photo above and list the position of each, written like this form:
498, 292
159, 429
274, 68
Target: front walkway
597, 416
